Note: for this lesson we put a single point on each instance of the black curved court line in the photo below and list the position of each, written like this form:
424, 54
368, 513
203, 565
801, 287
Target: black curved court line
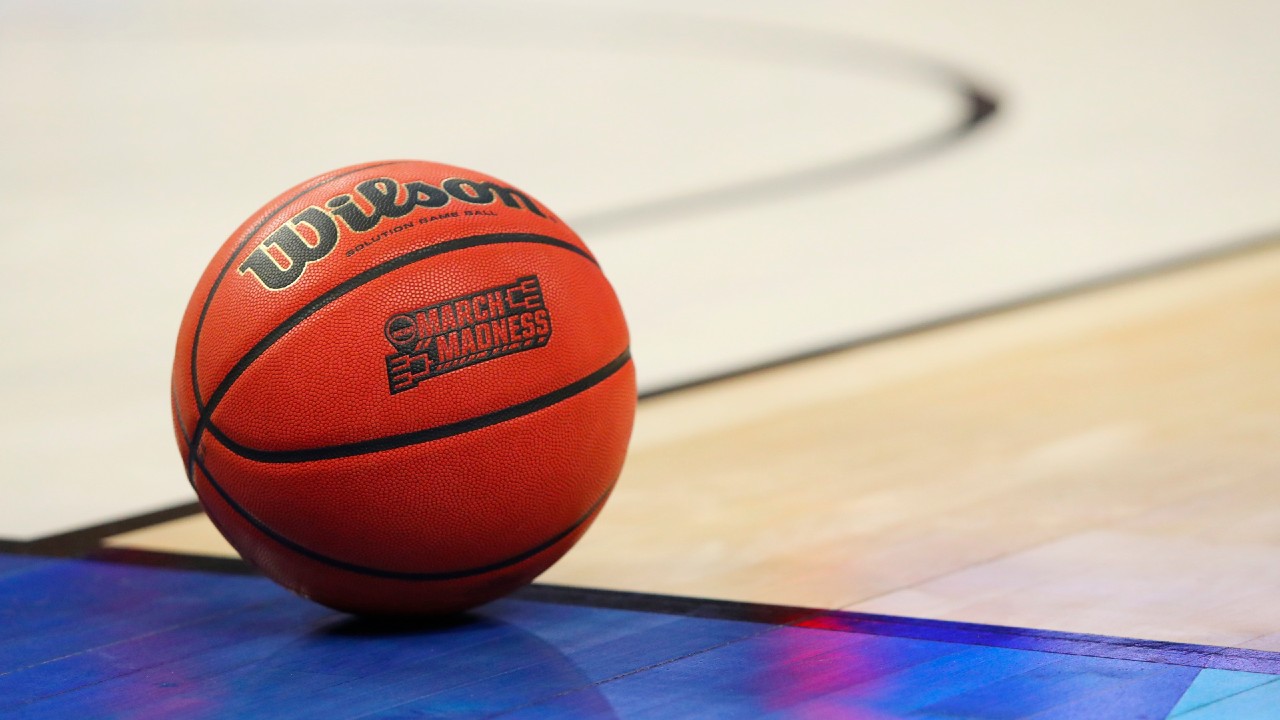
391, 442
981, 106
396, 575
224, 386
807, 47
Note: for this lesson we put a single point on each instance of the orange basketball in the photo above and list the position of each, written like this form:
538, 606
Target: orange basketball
403, 388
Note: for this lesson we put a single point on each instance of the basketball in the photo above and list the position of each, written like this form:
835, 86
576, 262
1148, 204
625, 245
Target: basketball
403, 388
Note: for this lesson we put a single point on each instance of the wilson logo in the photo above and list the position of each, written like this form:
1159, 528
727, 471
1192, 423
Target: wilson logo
465, 330
309, 236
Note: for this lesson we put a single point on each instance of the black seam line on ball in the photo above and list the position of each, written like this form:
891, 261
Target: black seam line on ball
177, 416
391, 442
182, 432
348, 285
208, 298
397, 575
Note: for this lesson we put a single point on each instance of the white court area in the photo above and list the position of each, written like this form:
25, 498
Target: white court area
758, 179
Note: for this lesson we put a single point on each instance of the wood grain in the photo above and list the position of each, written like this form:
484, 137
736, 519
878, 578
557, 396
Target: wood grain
1104, 463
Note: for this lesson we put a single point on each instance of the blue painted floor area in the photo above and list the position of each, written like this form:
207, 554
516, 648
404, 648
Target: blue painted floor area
90, 639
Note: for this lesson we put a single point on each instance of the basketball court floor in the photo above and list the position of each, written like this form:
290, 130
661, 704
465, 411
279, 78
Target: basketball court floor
956, 327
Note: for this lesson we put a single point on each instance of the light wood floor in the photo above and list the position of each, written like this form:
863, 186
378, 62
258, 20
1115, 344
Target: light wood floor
1105, 463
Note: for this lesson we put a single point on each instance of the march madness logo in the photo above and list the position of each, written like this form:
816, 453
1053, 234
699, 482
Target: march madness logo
465, 330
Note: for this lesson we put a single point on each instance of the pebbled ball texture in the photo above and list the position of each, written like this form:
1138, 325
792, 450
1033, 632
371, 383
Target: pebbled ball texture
403, 388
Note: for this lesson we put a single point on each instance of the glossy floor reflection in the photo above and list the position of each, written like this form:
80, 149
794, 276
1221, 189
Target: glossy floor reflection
103, 639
